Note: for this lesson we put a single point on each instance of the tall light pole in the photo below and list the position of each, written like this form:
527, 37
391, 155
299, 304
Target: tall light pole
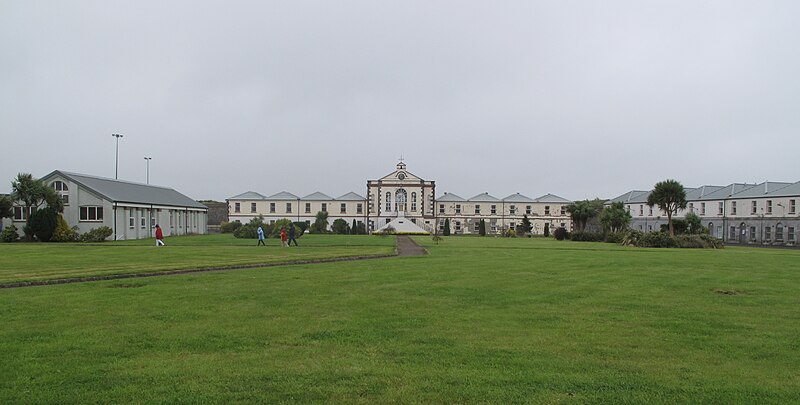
148, 159
116, 160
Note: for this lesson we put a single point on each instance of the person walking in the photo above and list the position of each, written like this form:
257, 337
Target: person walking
260, 237
159, 236
283, 236
291, 235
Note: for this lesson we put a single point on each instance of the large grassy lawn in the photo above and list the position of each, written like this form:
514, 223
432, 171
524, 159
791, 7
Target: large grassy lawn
476, 320
21, 262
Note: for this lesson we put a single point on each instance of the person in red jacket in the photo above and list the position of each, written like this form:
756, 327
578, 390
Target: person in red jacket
159, 236
283, 237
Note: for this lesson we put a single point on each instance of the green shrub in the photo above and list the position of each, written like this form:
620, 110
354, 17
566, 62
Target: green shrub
632, 238
340, 227
230, 227
658, 240
699, 241
615, 237
250, 230
9, 234
43, 223
301, 227
63, 233
586, 236
561, 234
546, 230
275, 229
97, 234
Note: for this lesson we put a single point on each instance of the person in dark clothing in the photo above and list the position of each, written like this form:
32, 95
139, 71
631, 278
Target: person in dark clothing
291, 235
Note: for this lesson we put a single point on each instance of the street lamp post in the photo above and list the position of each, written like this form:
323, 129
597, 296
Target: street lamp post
116, 159
148, 159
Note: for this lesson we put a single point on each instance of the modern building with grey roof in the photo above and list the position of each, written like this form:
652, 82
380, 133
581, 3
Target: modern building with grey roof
130, 209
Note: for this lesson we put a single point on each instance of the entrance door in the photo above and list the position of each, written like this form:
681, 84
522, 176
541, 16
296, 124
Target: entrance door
401, 199
742, 233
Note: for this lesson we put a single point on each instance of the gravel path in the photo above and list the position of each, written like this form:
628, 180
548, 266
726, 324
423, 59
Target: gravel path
407, 247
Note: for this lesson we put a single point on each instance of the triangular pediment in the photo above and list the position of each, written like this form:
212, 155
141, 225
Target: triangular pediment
400, 175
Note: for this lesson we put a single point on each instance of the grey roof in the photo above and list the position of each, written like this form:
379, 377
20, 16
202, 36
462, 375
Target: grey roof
518, 198
129, 192
790, 190
633, 196
248, 195
351, 196
552, 198
317, 196
283, 195
701, 192
726, 191
484, 197
760, 190
450, 197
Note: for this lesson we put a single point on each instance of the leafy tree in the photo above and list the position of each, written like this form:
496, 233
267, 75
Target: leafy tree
694, 225
301, 227
615, 218
482, 227
320, 224
9, 234
446, 227
340, 227
527, 227
250, 229
274, 230
670, 196
582, 211
42, 223
6, 207
33, 193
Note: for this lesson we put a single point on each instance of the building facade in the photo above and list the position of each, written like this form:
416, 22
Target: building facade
739, 213
131, 210
402, 194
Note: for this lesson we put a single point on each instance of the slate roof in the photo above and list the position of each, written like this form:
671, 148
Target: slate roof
450, 197
283, 196
790, 190
248, 195
760, 190
726, 192
317, 196
484, 197
700, 192
518, 198
633, 196
129, 192
552, 198
351, 196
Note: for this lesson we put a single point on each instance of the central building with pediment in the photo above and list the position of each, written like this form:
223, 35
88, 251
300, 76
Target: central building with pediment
401, 194
407, 199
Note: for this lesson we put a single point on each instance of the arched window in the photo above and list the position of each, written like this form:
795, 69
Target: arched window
388, 201
62, 190
779, 232
401, 198
413, 201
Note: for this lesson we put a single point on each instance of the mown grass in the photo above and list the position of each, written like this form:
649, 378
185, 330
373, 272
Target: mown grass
21, 262
476, 320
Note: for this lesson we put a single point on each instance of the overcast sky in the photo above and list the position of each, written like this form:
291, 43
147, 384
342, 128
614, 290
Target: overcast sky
575, 98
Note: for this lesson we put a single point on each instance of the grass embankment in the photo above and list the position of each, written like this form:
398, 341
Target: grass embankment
476, 320
22, 262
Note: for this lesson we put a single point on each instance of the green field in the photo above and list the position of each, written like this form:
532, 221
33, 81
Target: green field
20, 262
476, 320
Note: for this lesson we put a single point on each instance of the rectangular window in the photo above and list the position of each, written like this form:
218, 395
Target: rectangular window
769, 207
528, 209
720, 208
360, 208
252, 207
691, 207
20, 214
458, 226
753, 207
131, 222
477, 226
237, 207
733, 207
546, 210
272, 207
702, 208
779, 232
650, 211
91, 213
733, 233
752, 233
494, 209
563, 210
288, 208
477, 208
441, 208
641, 210
792, 206
767, 233
142, 222
343, 208
458, 208
790, 236
324, 207
65, 198
512, 209
308, 208
172, 219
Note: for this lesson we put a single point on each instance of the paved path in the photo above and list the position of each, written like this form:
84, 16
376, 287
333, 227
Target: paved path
407, 247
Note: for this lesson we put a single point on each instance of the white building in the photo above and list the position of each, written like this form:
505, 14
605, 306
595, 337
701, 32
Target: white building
130, 209
404, 194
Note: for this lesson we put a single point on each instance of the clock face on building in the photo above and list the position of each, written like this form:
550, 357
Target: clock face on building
401, 176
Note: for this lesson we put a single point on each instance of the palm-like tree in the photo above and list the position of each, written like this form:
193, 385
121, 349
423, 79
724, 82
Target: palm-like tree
670, 196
